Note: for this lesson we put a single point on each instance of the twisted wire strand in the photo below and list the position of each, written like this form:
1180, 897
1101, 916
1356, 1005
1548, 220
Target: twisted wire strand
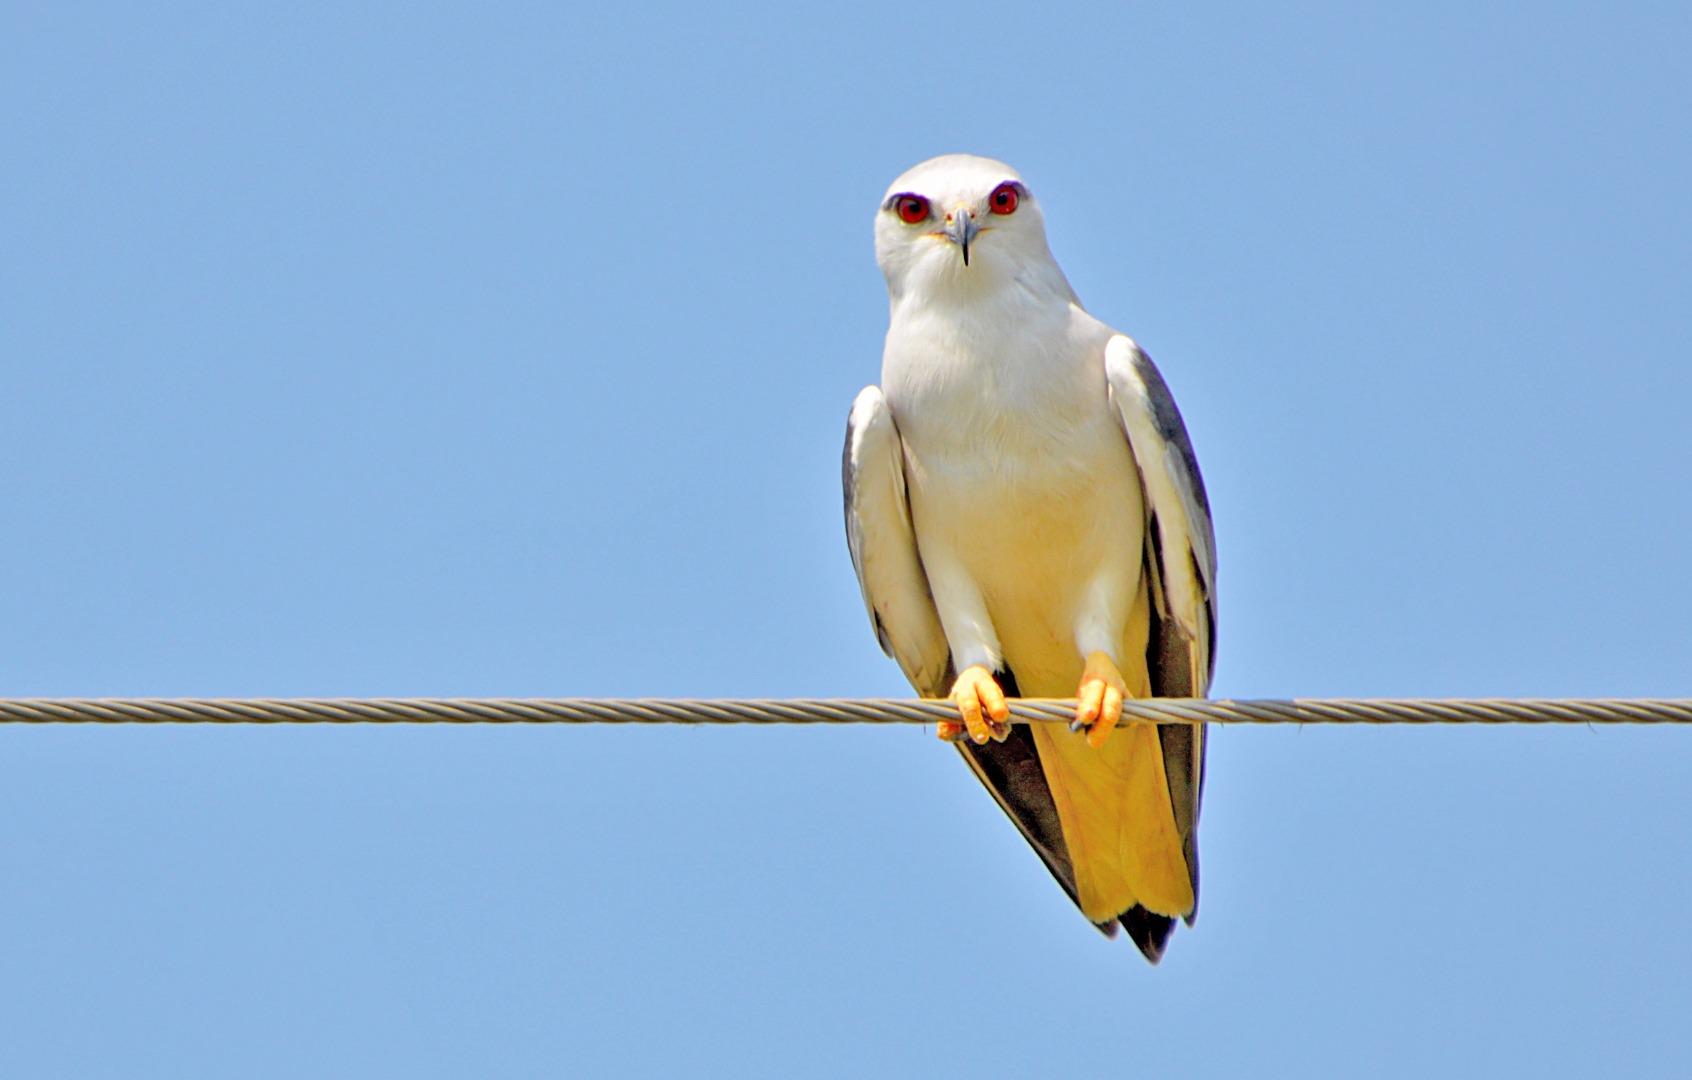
829, 710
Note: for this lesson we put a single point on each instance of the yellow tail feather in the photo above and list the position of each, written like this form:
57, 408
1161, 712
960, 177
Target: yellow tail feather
1117, 822
1113, 804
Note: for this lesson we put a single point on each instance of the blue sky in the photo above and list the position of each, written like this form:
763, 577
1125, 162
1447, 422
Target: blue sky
411, 350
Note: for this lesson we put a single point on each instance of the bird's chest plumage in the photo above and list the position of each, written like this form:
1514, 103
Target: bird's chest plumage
1016, 466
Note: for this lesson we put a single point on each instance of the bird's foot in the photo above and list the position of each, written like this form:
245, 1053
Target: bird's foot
982, 706
1099, 707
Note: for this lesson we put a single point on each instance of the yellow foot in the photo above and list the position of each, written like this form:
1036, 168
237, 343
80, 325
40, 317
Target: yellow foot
981, 704
1100, 705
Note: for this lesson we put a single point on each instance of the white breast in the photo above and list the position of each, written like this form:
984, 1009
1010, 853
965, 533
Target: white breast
1018, 470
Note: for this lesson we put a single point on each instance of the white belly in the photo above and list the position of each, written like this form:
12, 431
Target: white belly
1040, 532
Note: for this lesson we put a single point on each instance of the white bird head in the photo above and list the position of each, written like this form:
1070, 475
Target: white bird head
962, 225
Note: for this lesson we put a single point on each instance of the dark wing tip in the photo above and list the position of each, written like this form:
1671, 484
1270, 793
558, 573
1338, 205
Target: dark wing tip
1150, 932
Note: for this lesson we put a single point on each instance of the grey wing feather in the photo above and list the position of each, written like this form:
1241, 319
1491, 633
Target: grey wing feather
1183, 541
884, 548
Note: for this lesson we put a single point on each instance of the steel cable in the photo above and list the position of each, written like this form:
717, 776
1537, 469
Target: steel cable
828, 710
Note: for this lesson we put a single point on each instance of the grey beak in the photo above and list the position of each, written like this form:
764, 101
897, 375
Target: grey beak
961, 228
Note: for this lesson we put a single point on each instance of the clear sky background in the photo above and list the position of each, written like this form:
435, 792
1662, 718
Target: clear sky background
507, 350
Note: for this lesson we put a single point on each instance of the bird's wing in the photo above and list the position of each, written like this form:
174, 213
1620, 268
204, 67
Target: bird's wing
1182, 554
1180, 566
884, 549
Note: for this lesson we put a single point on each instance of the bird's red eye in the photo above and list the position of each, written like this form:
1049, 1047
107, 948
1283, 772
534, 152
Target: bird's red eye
912, 209
1004, 199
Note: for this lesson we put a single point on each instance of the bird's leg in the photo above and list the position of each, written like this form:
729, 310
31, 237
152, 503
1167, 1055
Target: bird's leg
1099, 707
982, 706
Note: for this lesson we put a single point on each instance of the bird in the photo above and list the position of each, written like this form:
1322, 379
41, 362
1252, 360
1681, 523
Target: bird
1026, 517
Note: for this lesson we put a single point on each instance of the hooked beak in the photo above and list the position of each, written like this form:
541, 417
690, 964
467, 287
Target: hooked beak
961, 229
